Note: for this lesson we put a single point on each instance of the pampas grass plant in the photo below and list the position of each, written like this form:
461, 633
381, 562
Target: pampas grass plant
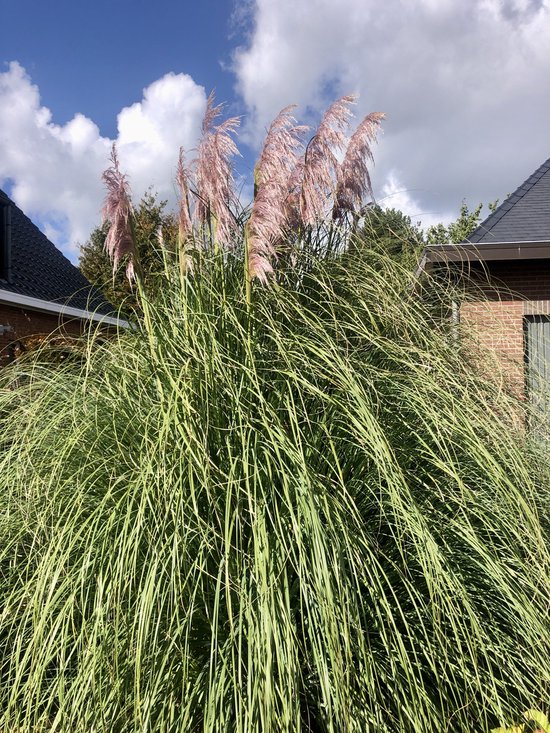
305, 512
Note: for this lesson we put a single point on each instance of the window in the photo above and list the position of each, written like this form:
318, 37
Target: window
537, 358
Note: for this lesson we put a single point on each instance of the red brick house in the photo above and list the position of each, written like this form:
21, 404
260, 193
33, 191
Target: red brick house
40, 290
507, 266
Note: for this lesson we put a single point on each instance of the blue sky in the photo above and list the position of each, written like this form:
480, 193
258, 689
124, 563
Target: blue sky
96, 58
465, 85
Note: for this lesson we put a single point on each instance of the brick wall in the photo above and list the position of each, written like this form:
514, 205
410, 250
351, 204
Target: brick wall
27, 323
500, 295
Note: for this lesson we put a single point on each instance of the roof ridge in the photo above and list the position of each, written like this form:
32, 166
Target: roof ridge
509, 202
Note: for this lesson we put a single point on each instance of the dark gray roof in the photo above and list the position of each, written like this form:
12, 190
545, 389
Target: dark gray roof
522, 217
39, 270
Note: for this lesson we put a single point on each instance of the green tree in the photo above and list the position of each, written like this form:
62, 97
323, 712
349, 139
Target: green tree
393, 233
459, 230
150, 219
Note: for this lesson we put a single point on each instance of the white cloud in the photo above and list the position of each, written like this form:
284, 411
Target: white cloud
55, 170
394, 195
465, 85
151, 132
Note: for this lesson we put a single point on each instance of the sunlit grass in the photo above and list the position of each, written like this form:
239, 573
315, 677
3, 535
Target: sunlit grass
308, 515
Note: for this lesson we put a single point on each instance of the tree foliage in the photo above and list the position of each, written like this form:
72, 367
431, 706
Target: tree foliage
459, 230
150, 218
391, 232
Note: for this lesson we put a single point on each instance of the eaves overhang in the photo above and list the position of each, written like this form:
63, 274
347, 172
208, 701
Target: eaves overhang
46, 306
434, 254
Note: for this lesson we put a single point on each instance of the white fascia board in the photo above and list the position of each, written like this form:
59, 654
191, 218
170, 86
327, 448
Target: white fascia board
484, 252
47, 306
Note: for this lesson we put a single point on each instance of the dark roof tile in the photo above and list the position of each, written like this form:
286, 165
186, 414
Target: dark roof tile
524, 216
40, 270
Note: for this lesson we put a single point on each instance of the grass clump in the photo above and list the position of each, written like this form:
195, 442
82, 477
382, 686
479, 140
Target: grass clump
305, 515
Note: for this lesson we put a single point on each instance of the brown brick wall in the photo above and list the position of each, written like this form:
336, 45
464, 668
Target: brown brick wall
498, 326
500, 295
27, 323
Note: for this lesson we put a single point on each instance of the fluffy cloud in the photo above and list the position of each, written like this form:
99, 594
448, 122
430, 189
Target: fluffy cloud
465, 86
55, 171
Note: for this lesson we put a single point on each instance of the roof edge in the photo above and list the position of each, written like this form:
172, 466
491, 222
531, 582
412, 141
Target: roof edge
8, 297
439, 254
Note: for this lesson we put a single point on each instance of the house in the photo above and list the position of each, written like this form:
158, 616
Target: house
507, 263
40, 290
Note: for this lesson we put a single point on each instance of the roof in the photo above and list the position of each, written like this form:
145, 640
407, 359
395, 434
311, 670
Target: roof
522, 217
39, 270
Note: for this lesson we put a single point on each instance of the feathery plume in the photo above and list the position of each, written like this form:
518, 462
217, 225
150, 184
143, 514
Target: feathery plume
280, 147
215, 192
160, 237
294, 194
271, 182
117, 210
321, 164
212, 112
185, 225
259, 266
354, 181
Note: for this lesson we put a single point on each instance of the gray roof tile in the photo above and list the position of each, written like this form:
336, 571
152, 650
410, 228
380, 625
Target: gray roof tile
524, 216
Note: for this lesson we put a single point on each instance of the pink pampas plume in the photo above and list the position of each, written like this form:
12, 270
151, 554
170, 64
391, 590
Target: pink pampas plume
321, 164
185, 225
117, 210
215, 190
268, 218
294, 195
353, 176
